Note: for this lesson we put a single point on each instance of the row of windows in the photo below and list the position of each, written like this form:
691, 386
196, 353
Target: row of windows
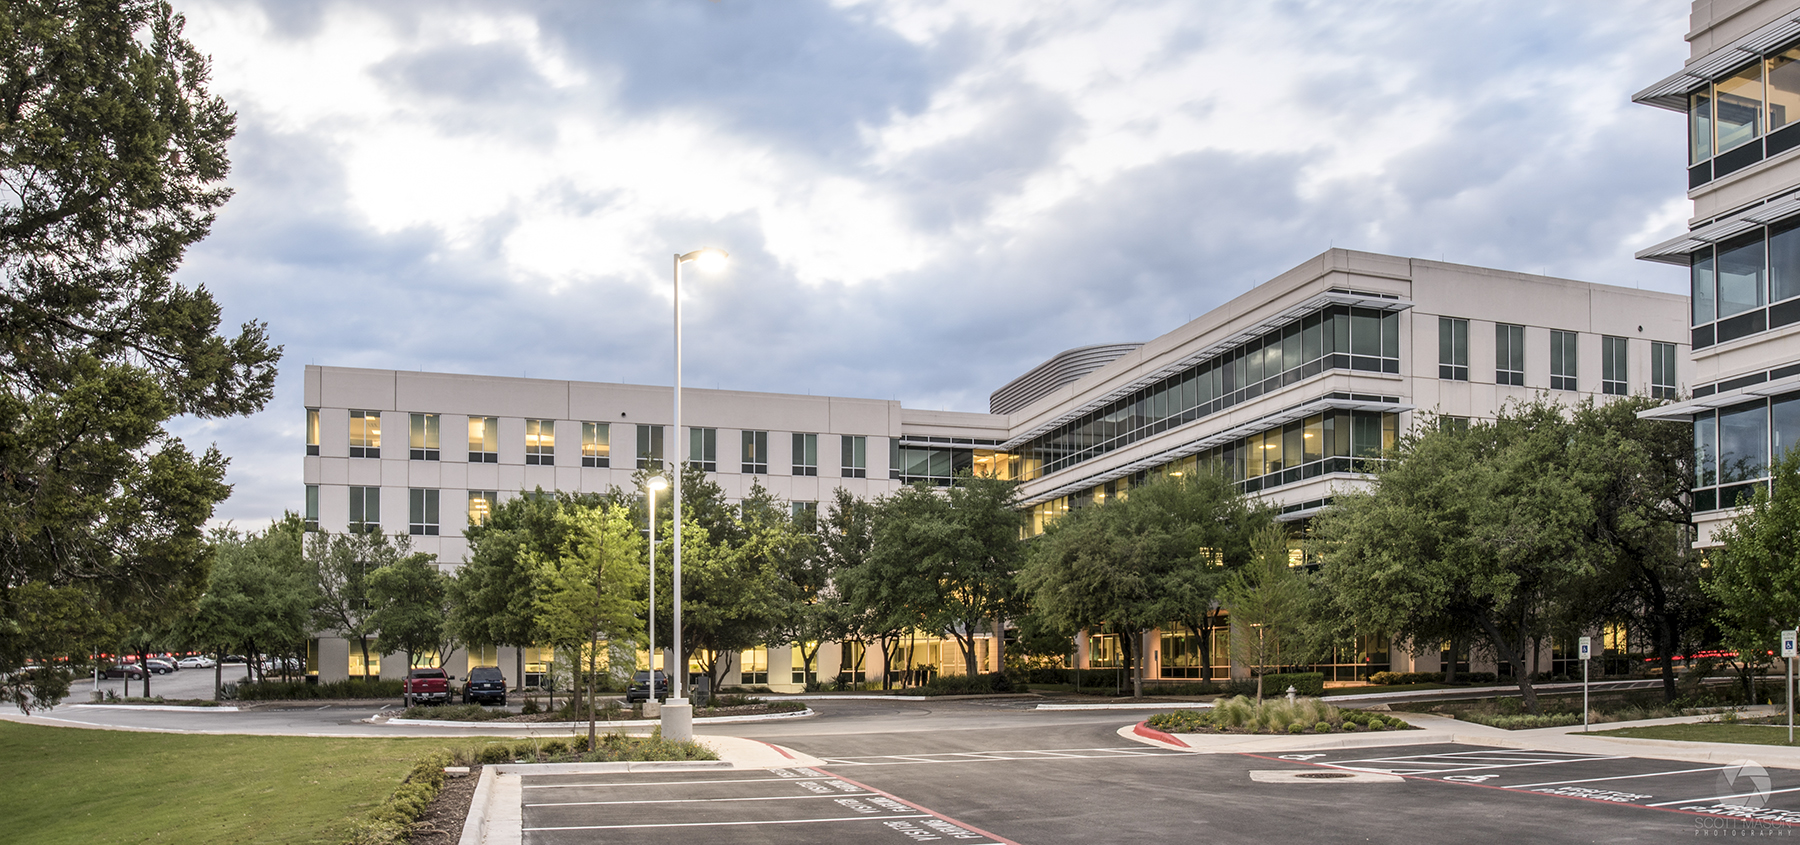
1728, 120
596, 444
1509, 359
1337, 337
1734, 280
1733, 448
422, 517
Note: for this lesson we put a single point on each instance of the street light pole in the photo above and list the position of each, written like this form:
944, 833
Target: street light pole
654, 484
678, 716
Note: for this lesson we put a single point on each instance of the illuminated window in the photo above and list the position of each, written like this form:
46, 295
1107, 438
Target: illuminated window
365, 434
484, 440
596, 444
753, 666
481, 506
312, 431
424, 437
540, 442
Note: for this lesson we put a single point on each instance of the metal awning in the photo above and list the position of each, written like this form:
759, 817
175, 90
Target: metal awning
1672, 91
1249, 332
1677, 249
1683, 411
1217, 438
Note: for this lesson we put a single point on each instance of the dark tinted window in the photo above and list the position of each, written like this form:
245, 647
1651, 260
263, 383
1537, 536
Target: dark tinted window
486, 673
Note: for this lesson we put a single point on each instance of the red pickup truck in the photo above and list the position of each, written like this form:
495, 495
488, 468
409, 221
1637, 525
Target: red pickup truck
427, 686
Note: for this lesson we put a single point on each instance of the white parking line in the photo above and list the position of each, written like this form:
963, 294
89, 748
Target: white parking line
1618, 777
730, 824
656, 783
691, 800
1718, 798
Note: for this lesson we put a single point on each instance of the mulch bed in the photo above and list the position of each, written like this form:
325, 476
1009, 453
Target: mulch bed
699, 713
442, 823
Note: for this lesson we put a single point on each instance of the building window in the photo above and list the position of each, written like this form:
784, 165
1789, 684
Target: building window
1613, 369
756, 453
1747, 284
856, 456
649, 447
805, 668
312, 507
1509, 354
1562, 360
312, 431
1662, 370
540, 442
753, 666
484, 440
1452, 424
422, 518
424, 437
481, 506
805, 513
596, 444
1453, 349
1734, 446
806, 454
703, 448
365, 509
365, 434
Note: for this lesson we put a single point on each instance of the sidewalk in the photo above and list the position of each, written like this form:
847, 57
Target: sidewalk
1437, 730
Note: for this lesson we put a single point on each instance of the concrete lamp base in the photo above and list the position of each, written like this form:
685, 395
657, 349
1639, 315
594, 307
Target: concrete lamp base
678, 720
652, 709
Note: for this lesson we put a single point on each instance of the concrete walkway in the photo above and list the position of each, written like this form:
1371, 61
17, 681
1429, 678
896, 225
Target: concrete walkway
1435, 730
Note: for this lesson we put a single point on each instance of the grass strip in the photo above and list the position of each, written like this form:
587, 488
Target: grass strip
1707, 732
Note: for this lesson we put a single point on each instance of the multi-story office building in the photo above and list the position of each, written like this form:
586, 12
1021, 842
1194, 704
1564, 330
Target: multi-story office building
1740, 90
1286, 386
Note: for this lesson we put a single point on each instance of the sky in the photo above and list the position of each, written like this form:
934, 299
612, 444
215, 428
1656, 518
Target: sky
922, 198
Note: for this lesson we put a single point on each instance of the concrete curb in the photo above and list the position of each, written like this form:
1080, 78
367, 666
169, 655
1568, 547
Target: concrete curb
183, 708
475, 823
1163, 705
707, 720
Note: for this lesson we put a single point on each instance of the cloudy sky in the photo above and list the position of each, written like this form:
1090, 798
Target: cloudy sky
922, 198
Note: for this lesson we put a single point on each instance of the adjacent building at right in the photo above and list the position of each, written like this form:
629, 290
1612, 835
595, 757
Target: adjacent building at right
1740, 91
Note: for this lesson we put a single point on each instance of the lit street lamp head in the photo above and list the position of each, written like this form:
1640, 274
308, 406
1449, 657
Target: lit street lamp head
709, 259
657, 483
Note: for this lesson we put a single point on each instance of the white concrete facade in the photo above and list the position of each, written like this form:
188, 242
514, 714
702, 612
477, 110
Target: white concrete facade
1394, 388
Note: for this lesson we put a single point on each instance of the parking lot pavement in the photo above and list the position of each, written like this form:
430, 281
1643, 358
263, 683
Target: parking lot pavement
1740, 791
796, 805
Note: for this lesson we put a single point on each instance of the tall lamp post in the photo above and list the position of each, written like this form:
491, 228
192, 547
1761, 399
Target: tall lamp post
678, 715
654, 485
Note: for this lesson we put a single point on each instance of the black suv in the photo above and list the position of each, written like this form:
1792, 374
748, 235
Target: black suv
640, 687
486, 684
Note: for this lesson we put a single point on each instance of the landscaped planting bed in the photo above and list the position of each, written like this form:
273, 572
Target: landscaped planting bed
1243, 715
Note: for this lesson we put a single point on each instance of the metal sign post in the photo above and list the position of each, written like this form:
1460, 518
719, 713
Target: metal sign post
1787, 656
1587, 650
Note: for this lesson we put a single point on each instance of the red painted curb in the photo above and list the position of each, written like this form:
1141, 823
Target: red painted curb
1143, 729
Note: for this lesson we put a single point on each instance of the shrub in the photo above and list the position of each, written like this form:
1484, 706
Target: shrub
993, 682
349, 688
453, 713
1048, 675
391, 821
1304, 683
1322, 727
1402, 678
531, 707
1295, 728
554, 747
496, 753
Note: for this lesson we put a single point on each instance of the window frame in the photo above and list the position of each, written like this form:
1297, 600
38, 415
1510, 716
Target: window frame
596, 444
806, 454
361, 498
491, 500
312, 431
854, 456
489, 437
1453, 349
703, 448
422, 514
540, 442
1509, 349
423, 437
753, 459
364, 441
1615, 365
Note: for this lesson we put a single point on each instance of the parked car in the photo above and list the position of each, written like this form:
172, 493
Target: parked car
640, 687
197, 661
485, 684
128, 671
233, 658
161, 665
427, 686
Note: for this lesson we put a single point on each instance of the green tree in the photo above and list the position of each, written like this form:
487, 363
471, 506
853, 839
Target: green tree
340, 565
586, 592
410, 601
113, 154
1274, 617
841, 540
947, 558
260, 594
1756, 571
1482, 530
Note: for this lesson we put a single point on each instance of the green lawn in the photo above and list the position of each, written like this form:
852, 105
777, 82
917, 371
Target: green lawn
1371, 688
1708, 732
77, 786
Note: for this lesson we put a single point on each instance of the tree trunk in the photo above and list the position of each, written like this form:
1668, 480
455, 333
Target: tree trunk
1203, 633
1450, 664
365, 653
593, 646
1000, 644
519, 669
1511, 653
218, 675
1128, 648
